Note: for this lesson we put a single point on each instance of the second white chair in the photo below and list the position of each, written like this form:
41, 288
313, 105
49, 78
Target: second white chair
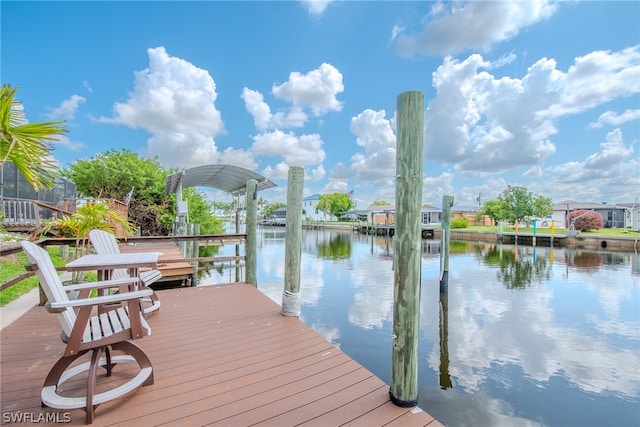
105, 243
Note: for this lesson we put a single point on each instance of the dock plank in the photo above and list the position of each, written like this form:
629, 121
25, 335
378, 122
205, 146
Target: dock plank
222, 355
169, 263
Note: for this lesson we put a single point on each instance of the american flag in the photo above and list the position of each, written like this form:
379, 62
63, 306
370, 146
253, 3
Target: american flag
350, 193
127, 198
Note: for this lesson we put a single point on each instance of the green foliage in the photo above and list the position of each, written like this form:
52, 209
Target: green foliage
459, 222
324, 204
381, 203
338, 247
519, 204
493, 209
335, 203
268, 210
87, 217
517, 272
13, 266
200, 212
542, 206
261, 205
26, 144
114, 173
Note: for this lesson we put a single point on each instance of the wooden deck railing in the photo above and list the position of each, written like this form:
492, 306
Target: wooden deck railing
203, 240
28, 214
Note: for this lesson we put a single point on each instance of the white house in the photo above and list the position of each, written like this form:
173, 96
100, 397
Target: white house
310, 208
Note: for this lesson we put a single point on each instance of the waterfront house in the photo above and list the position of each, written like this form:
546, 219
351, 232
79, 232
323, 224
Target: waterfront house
613, 216
310, 208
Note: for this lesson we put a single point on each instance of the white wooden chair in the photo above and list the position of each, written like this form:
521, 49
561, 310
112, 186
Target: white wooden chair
105, 243
98, 325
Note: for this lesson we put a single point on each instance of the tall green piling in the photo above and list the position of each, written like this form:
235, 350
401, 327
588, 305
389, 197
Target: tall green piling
293, 243
251, 230
447, 203
407, 249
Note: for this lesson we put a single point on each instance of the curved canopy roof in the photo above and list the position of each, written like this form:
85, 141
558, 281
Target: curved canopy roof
229, 178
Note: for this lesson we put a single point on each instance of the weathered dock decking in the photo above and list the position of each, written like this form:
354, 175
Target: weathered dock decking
171, 263
222, 355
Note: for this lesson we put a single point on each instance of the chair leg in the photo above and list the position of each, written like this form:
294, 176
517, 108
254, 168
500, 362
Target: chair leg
108, 366
135, 351
59, 367
91, 383
61, 372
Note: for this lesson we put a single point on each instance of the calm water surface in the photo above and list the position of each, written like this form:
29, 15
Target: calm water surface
524, 336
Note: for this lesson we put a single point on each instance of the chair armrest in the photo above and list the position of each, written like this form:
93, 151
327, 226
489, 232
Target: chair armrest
150, 276
113, 283
107, 299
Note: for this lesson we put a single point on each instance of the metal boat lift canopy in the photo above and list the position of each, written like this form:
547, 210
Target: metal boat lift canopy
228, 178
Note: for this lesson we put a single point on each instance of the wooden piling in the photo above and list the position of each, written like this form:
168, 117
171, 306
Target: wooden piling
293, 243
237, 246
447, 203
251, 252
407, 257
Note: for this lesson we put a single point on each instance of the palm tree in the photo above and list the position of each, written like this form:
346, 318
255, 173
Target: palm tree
87, 217
324, 204
25, 144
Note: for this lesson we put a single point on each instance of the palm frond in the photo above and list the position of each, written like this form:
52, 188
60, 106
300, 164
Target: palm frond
26, 144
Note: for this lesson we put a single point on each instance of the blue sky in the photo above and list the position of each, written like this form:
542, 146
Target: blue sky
539, 94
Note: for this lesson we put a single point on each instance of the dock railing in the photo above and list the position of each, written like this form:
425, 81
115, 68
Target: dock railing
236, 262
26, 214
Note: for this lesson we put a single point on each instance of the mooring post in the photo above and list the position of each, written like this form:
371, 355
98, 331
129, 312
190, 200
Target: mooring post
407, 254
237, 247
250, 247
447, 203
195, 248
293, 243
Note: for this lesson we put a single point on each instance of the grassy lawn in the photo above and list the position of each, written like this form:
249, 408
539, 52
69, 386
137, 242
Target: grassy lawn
12, 266
603, 232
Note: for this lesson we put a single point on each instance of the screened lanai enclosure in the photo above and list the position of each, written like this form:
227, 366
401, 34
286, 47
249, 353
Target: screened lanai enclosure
22, 208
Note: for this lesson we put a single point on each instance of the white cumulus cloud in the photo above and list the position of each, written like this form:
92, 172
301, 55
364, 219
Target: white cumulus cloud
484, 124
174, 101
475, 25
316, 90
613, 119
295, 150
67, 109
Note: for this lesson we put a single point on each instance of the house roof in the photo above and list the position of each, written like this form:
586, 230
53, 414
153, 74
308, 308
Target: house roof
571, 205
228, 178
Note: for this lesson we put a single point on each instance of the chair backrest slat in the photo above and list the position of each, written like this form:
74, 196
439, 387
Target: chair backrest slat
105, 243
50, 282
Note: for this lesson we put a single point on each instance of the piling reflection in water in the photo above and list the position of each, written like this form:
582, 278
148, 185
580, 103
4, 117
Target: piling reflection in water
445, 378
524, 336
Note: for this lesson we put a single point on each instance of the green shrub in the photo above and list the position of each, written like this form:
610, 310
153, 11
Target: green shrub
460, 222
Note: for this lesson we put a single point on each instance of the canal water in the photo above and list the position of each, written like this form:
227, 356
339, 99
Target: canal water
524, 336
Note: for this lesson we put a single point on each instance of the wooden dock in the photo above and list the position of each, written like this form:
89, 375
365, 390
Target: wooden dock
222, 355
390, 230
171, 263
